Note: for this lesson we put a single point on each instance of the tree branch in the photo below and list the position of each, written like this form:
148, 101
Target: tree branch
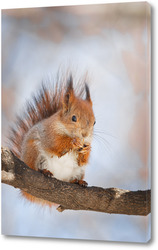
72, 196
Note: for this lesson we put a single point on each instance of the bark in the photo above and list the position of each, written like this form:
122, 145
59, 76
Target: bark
72, 196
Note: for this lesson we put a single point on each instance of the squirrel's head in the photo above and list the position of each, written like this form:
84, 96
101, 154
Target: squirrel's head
77, 114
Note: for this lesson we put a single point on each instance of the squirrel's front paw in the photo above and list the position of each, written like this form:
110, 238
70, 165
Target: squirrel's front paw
86, 148
77, 144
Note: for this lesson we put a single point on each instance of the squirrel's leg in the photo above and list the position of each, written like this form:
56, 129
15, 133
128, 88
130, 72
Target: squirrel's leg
30, 156
30, 153
33, 159
83, 157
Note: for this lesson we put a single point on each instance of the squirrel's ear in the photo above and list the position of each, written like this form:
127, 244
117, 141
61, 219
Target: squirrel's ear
88, 97
69, 94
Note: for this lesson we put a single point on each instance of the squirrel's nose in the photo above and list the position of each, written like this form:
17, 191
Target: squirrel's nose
84, 134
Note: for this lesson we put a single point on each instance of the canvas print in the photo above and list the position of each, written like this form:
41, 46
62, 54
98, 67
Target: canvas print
76, 145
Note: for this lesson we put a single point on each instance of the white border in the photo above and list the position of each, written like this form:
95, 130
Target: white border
30, 243
43, 3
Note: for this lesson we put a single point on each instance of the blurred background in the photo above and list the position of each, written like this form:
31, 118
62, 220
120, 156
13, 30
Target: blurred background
110, 43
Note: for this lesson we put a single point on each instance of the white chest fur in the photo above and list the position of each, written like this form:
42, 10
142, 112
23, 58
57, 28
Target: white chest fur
64, 168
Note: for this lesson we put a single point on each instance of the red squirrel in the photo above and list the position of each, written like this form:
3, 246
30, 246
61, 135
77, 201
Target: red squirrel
55, 133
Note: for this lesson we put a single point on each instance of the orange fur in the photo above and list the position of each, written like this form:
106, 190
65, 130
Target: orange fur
31, 154
61, 145
33, 199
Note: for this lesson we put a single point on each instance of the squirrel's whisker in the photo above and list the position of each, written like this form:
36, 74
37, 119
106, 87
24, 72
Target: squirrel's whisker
103, 141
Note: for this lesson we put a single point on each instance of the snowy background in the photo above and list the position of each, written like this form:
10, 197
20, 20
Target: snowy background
112, 43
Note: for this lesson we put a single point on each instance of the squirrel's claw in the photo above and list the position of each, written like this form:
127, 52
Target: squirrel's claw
80, 182
46, 172
77, 143
85, 149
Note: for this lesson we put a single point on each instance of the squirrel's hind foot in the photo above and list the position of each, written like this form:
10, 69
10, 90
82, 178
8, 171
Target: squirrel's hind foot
80, 182
46, 172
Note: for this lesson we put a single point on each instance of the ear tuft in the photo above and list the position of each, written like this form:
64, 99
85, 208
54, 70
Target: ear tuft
88, 97
69, 84
69, 94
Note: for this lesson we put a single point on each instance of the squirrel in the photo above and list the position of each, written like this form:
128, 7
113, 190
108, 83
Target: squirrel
54, 134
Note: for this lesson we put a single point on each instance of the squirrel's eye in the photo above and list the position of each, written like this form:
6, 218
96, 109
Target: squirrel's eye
94, 123
74, 119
